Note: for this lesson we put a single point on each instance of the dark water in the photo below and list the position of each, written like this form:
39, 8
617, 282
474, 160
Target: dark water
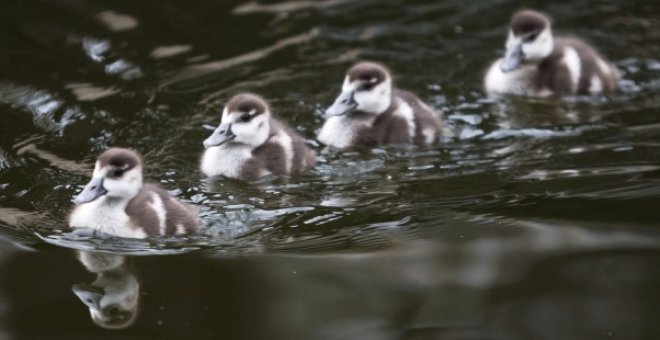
535, 219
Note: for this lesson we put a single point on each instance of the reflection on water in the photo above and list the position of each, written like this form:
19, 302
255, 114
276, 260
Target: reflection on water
531, 280
113, 297
480, 290
535, 218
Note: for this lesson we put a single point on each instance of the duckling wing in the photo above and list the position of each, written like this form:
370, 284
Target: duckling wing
159, 213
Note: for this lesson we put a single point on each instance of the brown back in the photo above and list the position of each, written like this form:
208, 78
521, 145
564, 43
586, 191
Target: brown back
554, 74
425, 117
271, 156
178, 213
389, 128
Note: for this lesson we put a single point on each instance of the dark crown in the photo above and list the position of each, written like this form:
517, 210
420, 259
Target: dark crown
247, 102
120, 158
527, 21
368, 71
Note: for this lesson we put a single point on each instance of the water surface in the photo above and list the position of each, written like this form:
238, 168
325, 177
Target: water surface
534, 219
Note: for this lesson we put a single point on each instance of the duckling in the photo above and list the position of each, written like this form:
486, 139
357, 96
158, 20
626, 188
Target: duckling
113, 297
250, 143
370, 111
538, 64
116, 202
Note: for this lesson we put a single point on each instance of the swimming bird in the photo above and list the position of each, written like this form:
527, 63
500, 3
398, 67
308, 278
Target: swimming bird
370, 111
538, 64
117, 202
250, 143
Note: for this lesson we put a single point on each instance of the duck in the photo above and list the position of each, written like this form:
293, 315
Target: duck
370, 111
113, 297
118, 203
538, 64
250, 143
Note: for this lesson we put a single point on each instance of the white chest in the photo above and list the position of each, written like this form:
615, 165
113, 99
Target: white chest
225, 160
339, 131
111, 219
517, 82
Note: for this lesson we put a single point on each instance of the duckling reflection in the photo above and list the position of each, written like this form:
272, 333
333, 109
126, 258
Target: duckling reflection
113, 297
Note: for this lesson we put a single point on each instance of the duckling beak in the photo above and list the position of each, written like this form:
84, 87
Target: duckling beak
513, 58
93, 190
343, 104
89, 295
221, 135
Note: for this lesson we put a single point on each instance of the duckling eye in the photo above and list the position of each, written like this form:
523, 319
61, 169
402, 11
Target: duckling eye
531, 37
118, 172
114, 311
366, 86
245, 118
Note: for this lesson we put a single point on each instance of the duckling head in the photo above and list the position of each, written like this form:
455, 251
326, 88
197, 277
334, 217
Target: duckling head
113, 297
245, 120
112, 300
529, 40
367, 88
117, 176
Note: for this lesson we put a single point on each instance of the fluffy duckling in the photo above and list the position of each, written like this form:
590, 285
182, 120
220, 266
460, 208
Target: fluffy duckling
116, 201
370, 111
538, 64
250, 143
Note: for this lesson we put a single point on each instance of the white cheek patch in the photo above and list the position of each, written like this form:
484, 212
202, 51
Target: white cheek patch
383, 88
257, 121
231, 117
572, 61
239, 129
125, 187
260, 120
255, 132
113, 186
540, 48
134, 176
377, 100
